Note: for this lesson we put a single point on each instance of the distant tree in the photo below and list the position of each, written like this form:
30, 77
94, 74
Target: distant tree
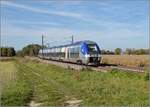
107, 52
30, 50
133, 51
4, 51
118, 51
7, 51
20, 53
10, 52
141, 52
129, 51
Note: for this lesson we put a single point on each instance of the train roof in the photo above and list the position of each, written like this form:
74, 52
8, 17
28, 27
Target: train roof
76, 43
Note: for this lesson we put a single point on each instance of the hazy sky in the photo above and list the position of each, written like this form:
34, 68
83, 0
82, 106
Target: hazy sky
111, 23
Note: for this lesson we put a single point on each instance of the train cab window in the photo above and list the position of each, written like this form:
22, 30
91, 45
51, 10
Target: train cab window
93, 48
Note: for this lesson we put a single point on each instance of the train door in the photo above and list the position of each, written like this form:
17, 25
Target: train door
66, 53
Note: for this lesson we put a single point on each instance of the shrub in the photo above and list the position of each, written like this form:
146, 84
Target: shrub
7, 51
118, 51
141, 64
146, 77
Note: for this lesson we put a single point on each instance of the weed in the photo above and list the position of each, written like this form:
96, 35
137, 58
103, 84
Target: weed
141, 64
16, 93
147, 76
69, 68
87, 68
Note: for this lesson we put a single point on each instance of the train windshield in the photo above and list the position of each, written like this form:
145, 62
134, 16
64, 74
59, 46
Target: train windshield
93, 48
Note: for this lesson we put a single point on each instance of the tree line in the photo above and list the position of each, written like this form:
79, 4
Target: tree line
33, 49
7, 51
29, 50
133, 51
128, 51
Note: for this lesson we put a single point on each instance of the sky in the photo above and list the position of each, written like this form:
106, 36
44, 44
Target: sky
110, 23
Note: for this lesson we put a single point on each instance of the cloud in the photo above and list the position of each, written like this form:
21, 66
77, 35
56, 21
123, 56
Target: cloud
79, 16
62, 2
104, 31
35, 22
83, 17
58, 35
37, 10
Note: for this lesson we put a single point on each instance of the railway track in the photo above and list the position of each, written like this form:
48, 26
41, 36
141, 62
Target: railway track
103, 67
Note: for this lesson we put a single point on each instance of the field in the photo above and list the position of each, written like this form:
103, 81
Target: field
24, 81
127, 60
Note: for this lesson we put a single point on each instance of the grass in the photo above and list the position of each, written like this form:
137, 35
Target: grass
7, 73
52, 85
127, 60
15, 88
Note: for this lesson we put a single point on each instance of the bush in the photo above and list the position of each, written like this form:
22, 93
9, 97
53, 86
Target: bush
7, 51
146, 77
118, 51
141, 64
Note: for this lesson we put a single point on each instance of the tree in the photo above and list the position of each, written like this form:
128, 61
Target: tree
129, 51
20, 53
30, 50
133, 51
10, 52
107, 52
118, 51
4, 51
7, 51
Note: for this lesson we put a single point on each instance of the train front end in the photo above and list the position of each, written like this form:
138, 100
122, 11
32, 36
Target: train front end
91, 52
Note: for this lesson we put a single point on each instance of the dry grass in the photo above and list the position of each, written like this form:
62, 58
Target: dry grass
7, 72
127, 60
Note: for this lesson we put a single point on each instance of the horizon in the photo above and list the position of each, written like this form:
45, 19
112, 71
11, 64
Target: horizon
120, 24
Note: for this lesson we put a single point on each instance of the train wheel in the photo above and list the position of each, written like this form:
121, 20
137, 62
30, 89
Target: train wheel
79, 62
97, 64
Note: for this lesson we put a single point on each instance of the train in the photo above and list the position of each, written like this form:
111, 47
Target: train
82, 52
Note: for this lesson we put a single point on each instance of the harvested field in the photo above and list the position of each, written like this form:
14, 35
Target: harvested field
127, 60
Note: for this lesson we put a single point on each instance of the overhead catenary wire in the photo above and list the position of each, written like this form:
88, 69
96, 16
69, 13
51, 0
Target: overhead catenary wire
63, 41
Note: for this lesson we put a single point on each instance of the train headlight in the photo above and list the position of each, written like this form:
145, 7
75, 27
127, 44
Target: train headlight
99, 55
87, 55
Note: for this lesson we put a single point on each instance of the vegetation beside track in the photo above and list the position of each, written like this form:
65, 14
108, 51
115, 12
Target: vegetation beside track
15, 89
53, 85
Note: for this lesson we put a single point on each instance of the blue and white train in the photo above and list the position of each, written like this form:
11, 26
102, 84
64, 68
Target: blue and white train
83, 52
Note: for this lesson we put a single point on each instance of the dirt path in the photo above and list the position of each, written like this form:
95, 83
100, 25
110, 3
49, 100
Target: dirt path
34, 104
